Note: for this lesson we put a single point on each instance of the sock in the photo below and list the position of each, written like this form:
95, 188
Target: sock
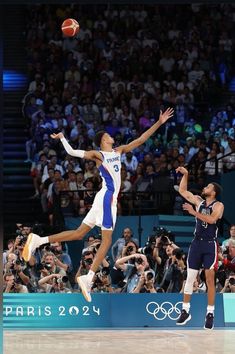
91, 274
186, 306
210, 309
43, 240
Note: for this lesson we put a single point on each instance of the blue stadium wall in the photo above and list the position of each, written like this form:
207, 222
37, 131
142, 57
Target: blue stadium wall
71, 311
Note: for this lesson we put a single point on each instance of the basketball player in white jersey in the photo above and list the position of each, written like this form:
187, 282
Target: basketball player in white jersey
104, 208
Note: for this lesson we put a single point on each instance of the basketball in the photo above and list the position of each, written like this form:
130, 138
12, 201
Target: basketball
70, 27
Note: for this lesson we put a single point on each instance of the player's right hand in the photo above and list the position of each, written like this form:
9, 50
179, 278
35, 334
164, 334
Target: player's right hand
182, 170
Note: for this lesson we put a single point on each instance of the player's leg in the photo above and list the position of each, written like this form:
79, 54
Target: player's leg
105, 215
193, 265
85, 281
34, 241
210, 264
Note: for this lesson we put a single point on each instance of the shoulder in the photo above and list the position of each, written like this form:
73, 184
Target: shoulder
218, 205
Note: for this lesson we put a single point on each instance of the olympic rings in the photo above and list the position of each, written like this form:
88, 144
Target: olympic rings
164, 310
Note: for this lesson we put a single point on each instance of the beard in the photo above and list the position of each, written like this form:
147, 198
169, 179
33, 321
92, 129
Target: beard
204, 195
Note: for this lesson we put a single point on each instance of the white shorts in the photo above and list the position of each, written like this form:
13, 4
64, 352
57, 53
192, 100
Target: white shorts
103, 212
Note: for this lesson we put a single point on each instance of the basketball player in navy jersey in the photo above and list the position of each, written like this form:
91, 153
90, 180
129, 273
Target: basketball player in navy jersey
104, 209
203, 249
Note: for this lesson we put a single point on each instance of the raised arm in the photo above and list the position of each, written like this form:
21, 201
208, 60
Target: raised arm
139, 141
88, 155
183, 188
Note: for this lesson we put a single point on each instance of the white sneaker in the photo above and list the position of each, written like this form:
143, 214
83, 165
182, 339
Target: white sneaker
85, 286
33, 242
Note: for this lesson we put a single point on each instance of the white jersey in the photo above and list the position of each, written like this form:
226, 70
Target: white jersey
110, 171
104, 209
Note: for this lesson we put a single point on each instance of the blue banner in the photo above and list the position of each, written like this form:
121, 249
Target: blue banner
71, 311
229, 309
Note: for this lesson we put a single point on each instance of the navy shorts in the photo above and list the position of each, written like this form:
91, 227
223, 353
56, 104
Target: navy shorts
203, 254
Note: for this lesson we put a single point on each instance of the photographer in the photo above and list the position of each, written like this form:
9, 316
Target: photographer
117, 275
85, 263
146, 283
151, 251
102, 282
16, 263
54, 283
174, 276
49, 266
160, 251
229, 285
132, 272
62, 259
12, 284
10, 249
120, 243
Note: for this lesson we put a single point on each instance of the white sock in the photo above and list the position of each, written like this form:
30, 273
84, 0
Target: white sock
43, 240
186, 306
90, 274
210, 309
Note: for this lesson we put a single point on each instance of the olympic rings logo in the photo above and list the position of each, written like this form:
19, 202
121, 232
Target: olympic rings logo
164, 310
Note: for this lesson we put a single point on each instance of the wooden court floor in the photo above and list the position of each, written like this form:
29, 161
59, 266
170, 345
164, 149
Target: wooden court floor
120, 341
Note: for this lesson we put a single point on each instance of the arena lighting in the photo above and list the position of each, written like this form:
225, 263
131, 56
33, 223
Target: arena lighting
13, 80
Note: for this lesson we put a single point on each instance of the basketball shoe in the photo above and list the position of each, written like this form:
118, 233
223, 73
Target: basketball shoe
85, 285
33, 242
209, 321
184, 318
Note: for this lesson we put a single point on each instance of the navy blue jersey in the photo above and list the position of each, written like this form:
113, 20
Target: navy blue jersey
203, 230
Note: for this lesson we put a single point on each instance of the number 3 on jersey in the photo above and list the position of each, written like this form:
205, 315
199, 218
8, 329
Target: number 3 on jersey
116, 168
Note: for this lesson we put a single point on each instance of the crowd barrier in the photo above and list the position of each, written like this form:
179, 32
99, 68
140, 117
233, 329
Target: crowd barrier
71, 311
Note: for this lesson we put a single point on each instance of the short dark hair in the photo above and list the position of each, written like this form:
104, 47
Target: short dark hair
218, 189
98, 137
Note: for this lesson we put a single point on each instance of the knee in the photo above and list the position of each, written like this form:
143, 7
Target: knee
191, 276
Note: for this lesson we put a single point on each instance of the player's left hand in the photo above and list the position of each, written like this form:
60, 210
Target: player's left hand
57, 136
166, 115
189, 208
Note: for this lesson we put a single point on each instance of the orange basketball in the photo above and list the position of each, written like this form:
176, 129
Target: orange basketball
70, 27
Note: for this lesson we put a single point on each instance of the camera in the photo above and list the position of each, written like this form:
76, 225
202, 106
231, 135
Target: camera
88, 261
49, 248
149, 275
139, 260
22, 239
44, 265
129, 249
63, 279
232, 281
104, 271
148, 248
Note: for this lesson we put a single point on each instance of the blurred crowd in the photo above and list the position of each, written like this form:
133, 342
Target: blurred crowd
125, 65
157, 266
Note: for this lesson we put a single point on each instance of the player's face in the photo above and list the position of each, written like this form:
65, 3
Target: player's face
107, 139
208, 191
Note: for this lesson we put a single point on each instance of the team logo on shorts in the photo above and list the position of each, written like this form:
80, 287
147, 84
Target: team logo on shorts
164, 310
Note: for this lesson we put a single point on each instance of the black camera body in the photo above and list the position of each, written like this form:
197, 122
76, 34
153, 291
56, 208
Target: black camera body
232, 281
139, 260
63, 279
22, 239
44, 265
87, 262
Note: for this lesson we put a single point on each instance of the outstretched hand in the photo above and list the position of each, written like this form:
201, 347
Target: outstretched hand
166, 115
182, 170
57, 136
